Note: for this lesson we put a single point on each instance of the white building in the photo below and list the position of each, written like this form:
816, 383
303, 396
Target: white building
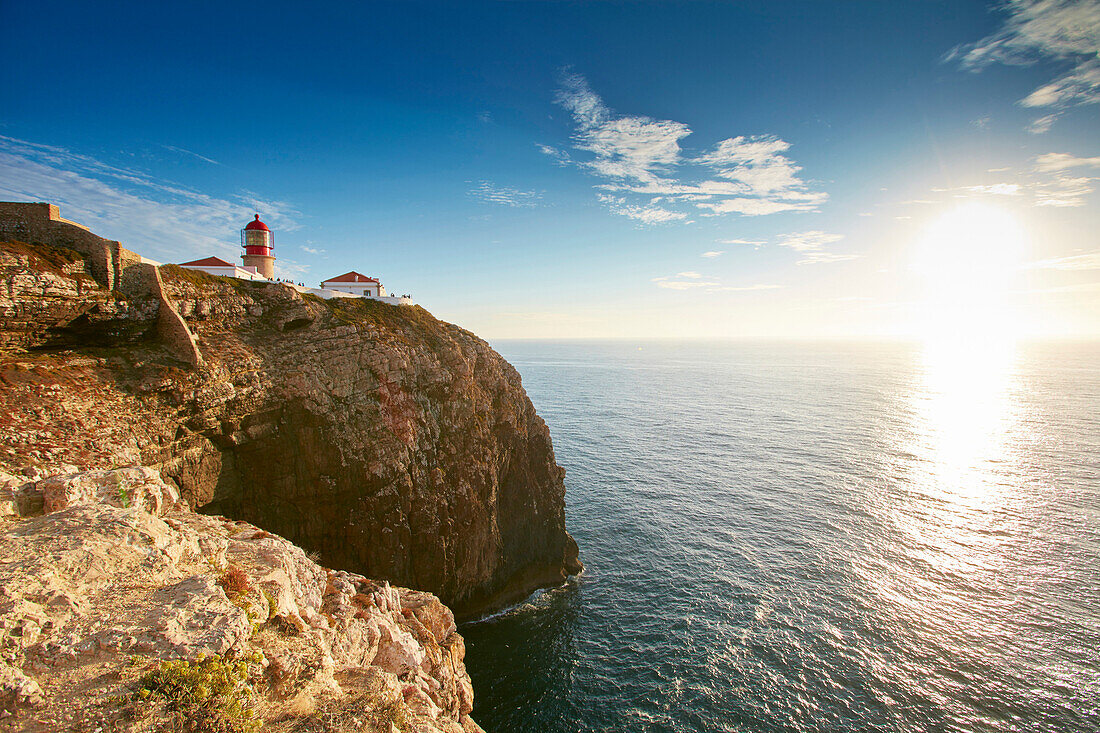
218, 266
259, 241
356, 284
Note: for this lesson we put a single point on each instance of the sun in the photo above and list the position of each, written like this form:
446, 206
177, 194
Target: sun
970, 249
966, 262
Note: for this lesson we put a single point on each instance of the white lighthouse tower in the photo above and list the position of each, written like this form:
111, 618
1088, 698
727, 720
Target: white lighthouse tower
258, 242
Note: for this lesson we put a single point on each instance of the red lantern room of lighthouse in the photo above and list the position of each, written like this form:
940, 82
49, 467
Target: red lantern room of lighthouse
258, 242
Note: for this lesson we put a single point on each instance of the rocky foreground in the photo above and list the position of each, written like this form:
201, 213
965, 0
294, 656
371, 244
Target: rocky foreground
122, 610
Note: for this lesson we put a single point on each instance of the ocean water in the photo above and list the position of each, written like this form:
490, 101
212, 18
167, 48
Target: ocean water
811, 538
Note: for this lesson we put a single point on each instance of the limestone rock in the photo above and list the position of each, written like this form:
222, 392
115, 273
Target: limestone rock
138, 486
94, 595
17, 690
398, 652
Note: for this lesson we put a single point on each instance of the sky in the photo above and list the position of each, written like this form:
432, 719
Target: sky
600, 169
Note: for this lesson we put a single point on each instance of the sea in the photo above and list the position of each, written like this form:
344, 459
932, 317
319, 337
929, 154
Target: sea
811, 537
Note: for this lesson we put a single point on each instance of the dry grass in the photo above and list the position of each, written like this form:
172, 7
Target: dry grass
367, 708
412, 320
363, 603
199, 279
235, 582
204, 280
45, 256
287, 625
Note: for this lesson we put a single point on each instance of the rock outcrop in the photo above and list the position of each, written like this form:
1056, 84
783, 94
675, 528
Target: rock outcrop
121, 609
390, 443
49, 300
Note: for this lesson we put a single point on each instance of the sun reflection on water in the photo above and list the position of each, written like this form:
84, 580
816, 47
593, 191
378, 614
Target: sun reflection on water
946, 578
964, 408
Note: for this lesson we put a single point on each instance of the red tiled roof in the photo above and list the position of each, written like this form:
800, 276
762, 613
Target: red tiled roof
351, 277
207, 262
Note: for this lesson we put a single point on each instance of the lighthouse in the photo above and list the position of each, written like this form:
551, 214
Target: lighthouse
258, 242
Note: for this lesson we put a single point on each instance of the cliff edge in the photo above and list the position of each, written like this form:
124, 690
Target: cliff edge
390, 443
122, 610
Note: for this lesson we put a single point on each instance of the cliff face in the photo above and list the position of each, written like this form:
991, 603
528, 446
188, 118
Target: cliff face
393, 444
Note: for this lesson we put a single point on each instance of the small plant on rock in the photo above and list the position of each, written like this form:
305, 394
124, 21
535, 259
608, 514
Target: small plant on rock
272, 604
235, 582
207, 695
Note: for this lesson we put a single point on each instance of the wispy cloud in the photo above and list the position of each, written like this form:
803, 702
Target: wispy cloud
812, 246
711, 254
695, 281
1062, 30
645, 213
757, 243
668, 282
1053, 179
291, 269
647, 175
490, 193
1063, 161
1076, 288
625, 147
558, 156
312, 250
156, 217
1063, 191
746, 288
1089, 261
1056, 186
768, 176
1041, 125
191, 153
998, 189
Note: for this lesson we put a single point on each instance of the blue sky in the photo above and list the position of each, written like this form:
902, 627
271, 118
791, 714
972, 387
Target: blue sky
572, 169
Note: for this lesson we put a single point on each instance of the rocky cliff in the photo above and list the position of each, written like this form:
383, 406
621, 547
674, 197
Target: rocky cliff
390, 443
122, 610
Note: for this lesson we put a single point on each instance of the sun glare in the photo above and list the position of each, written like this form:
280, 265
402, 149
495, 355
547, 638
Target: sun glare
966, 261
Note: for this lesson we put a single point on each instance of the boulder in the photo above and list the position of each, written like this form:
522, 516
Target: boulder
138, 486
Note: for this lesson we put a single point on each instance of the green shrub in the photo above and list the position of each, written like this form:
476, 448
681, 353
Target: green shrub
208, 695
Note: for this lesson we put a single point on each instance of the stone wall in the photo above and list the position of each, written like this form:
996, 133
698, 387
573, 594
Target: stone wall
143, 280
111, 264
42, 222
